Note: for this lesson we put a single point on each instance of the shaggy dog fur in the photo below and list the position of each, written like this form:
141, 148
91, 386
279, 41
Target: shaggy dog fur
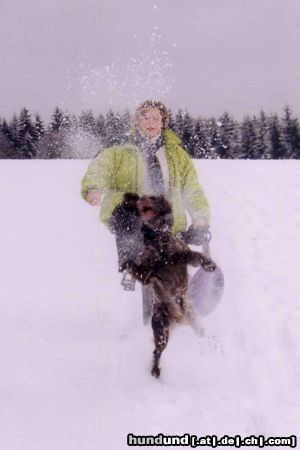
163, 264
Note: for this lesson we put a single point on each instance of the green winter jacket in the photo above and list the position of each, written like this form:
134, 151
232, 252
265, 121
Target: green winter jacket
118, 169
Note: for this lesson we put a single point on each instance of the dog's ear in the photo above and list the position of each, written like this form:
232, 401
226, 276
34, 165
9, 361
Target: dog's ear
130, 201
164, 207
165, 211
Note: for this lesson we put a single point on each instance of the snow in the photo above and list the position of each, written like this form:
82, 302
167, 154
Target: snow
75, 355
127, 85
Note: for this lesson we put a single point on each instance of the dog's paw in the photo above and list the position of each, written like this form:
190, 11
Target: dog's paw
155, 372
208, 265
144, 276
126, 265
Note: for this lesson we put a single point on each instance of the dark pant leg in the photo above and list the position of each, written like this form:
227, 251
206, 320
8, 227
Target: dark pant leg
129, 240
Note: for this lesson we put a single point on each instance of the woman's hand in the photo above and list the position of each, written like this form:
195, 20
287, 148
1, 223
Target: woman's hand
93, 197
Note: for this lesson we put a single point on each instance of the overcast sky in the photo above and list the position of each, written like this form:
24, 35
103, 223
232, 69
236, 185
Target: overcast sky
206, 55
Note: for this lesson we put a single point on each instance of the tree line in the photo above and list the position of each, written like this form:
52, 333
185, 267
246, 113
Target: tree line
265, 136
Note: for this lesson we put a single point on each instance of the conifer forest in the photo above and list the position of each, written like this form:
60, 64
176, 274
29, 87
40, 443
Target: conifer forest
70, 136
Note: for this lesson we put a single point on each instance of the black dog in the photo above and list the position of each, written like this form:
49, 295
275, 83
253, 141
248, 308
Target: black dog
163, 264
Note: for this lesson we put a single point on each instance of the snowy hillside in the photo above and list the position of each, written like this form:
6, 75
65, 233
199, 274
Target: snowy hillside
75, 356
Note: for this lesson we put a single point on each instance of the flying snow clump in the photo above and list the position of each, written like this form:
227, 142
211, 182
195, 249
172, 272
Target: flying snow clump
148, 74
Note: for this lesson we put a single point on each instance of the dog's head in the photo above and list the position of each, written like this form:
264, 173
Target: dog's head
153, 211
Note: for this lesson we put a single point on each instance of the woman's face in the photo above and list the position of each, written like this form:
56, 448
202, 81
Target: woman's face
150, 122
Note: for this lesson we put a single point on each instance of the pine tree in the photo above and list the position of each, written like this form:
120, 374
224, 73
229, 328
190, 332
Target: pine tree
57, 119
248, 138
113, 131
66, 122
235, 151
39, 126
6, 147
100, 126
27, 135
290, 135
213, 138
60, 120
226, 133
73, 121
262, 149
188, 134
277, 150
5, 129
52, 144
200, 149
11, 131
171, 121
86, 122
178, 125
124, 126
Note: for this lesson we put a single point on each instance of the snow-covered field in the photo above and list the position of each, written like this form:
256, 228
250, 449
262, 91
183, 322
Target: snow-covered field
75, 356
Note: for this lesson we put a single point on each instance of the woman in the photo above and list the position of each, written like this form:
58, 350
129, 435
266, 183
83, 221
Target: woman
153, 162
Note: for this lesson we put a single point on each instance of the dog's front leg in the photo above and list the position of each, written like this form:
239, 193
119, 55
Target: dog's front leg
140, 272
197, 259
